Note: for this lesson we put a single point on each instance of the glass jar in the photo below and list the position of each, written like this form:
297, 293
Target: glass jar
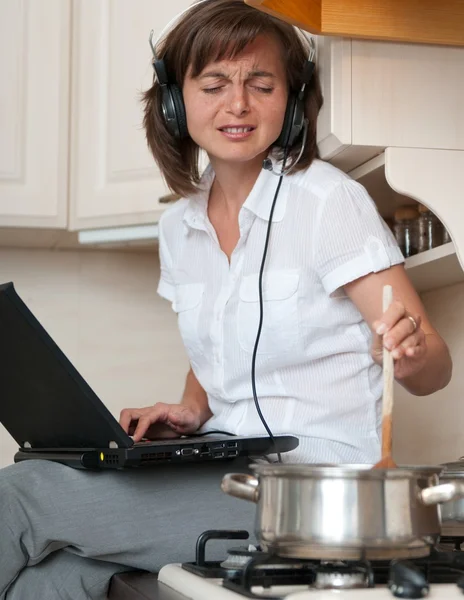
405, 230
430, 229
446, 236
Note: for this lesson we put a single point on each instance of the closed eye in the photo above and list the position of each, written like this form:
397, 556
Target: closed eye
263, 89
214, 90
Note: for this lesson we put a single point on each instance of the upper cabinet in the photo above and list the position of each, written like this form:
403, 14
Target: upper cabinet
383, 94
34, 112
419, 21
114, 180
73, 153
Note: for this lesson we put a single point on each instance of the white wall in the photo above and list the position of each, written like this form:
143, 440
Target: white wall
102, 309
430, 430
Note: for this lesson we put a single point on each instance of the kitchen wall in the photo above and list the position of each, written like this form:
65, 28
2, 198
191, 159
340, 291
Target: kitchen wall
103, 311
430, 430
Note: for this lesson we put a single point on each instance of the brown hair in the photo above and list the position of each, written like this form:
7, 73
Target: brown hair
211, 31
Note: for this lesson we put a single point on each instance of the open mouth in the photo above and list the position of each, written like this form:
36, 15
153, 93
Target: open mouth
237, 130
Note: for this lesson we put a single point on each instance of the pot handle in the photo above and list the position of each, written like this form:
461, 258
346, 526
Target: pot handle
445, 492
241, 486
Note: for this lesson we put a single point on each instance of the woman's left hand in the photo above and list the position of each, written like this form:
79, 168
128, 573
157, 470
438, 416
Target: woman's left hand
400, 332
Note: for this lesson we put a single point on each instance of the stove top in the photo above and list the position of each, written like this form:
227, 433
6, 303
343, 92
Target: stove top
248, 572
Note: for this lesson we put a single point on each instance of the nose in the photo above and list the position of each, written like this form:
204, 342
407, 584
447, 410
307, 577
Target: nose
238, 103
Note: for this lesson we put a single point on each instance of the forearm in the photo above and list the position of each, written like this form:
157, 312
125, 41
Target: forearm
435, 374
195, 397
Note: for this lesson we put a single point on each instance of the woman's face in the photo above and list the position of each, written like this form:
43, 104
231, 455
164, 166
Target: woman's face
235, 108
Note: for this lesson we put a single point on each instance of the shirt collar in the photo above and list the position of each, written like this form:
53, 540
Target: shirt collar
262, 195
258, 202
196, 211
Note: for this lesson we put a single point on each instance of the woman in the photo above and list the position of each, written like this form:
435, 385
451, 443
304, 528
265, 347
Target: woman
318, 368
318, 362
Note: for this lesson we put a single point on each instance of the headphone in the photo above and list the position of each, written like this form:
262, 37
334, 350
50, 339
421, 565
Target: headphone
173, 107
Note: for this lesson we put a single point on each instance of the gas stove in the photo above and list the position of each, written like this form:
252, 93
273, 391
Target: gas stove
247, 572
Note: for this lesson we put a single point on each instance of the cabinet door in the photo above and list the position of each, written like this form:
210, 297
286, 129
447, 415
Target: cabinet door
408, 95
34, 105
334, 67
114, 180
335, 124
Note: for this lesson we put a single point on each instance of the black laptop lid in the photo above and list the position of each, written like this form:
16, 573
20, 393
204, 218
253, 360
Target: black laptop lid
43, 399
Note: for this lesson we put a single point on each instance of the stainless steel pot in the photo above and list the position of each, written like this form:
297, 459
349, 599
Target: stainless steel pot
344, 512
452, 513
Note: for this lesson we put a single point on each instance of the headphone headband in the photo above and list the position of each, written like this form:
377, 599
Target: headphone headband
308, 39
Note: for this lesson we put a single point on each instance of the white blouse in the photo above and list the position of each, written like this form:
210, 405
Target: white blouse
315, 377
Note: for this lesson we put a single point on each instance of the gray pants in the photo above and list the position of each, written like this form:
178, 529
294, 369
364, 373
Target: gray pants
64, 532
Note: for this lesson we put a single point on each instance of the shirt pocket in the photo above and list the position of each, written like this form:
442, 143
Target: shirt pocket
187, 304
280, 333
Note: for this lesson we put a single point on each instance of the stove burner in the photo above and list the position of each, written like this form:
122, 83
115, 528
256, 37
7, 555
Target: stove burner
265, 571
252, 573
341, 576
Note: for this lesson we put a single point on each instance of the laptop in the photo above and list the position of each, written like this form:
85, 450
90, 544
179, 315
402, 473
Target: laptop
53, 414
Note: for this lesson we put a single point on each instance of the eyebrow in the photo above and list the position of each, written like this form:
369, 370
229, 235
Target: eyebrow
221, 75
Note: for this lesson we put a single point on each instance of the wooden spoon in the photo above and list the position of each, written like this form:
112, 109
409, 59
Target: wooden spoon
387, 461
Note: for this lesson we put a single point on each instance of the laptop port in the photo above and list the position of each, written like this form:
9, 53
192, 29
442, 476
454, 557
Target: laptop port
205, 451
232, 453
218, 446
218, 454
232, 445
189, 451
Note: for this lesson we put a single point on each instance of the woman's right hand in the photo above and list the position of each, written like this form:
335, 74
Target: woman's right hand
159, 421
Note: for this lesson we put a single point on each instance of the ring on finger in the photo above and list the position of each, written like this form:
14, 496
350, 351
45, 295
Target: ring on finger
413, 321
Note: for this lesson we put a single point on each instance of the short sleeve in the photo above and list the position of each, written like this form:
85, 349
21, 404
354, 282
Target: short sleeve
166, 283
352, 239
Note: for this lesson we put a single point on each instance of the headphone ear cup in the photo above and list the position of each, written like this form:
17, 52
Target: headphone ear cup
282, 140
179, 106
293, 122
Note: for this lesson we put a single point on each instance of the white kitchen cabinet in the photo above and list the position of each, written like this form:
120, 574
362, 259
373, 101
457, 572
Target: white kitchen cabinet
34, 112
384, 94
114, 181
334, 128
407, 95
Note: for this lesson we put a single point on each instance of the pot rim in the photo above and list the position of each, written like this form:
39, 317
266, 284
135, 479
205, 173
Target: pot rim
346, 471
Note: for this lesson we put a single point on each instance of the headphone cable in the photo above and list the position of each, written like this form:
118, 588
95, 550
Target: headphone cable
261, 309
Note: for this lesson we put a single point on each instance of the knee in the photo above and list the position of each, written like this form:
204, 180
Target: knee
27, 476
64, 576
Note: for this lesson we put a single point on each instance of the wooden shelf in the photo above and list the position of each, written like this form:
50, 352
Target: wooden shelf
428, 270
419, 21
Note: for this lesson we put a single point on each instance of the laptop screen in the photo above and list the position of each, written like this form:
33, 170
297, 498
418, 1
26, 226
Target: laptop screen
44, 401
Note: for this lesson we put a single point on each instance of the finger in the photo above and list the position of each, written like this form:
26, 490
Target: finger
127, 416
390, 317
142, 427
416, 351
157, 414
413, 345
403, 329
